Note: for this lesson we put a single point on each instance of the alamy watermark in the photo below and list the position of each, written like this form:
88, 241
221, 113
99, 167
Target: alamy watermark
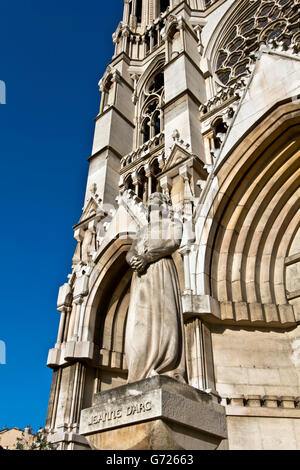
2, 92
2, 353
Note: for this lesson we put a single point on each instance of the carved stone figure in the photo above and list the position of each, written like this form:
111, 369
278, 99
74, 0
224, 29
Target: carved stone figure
154, 341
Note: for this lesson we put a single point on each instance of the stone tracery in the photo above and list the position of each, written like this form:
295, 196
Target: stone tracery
263, 21
152, 117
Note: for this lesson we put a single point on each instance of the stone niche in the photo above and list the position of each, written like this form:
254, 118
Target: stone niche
155, 414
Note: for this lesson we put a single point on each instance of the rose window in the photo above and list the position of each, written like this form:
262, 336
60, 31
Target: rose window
263, 21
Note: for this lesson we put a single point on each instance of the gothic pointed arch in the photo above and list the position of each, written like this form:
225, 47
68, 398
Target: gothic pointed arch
151, 104
256, 219
109, 270
157, 63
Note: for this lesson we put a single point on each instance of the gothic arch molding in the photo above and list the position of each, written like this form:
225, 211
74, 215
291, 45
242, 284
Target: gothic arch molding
109, 270
253, 219
156, 63
106, 307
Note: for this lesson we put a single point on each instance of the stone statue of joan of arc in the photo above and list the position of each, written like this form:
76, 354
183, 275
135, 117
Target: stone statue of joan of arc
154, 342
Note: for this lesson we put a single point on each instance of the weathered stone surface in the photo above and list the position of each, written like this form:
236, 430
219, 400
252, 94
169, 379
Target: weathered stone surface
153, 435
184, 411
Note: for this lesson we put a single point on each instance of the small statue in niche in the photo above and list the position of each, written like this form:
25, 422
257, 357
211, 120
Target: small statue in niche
154, 342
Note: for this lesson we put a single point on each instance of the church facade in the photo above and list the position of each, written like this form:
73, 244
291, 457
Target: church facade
201, 102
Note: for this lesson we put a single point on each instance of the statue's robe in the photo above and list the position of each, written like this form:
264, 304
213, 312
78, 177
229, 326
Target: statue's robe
154, 341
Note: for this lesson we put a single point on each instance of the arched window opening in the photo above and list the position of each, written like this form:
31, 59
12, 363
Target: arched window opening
151, 108
129, 184
110, 322
156, 123
146, 130
164, 5
219, 128
143, 187
139, 5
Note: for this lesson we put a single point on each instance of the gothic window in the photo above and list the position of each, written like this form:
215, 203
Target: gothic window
155, 37
129, 183
262, 21
155, 186
151, 124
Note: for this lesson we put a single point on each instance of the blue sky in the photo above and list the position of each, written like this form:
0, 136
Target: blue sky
52, 55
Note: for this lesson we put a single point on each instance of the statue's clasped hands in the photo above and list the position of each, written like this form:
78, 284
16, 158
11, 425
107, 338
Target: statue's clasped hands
138, 263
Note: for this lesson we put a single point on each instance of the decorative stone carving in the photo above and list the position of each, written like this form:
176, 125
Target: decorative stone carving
154, 334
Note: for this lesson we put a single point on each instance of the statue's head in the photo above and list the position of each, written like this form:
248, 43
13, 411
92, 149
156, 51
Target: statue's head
160, 202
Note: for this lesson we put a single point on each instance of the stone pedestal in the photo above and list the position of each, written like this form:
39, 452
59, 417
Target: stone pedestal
154, 414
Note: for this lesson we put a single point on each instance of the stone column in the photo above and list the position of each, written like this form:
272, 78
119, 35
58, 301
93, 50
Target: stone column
78, 303
199, 355
158, 35
138, 47
151, 40
148, 174
126, 18
62, 322
185, 253
144, 44
102, 102
67, 323
115, 80
188, 206
131, 38
63, 306
125, 34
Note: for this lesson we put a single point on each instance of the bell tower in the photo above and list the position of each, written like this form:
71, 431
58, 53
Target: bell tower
147, 139
186, 110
